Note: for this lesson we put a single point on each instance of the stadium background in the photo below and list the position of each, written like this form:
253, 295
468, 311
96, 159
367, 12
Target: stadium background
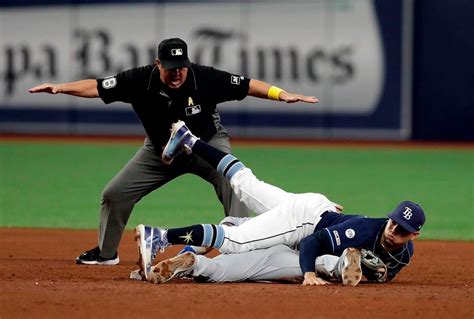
397, 75
382, 69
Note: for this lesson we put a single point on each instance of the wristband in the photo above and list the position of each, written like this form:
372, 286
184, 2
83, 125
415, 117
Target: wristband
274, 93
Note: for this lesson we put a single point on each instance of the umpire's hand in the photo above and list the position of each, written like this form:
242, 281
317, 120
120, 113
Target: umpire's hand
46, 88
293, 98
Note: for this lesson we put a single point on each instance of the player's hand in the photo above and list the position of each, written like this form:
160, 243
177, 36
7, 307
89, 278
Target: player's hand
293, 98
310, 279
46, 88
339, 207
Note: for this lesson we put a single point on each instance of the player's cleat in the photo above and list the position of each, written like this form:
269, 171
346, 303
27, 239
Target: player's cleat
168, 269
149, 241
181, 139
351, 271
137, 274
93, 257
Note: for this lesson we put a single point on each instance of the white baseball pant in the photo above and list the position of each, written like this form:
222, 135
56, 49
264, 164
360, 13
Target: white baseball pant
283, 217
279, 262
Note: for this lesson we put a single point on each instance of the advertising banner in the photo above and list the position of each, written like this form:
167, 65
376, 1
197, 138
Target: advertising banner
351, 54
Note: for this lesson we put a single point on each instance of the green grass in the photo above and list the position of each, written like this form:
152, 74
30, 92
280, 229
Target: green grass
59, 185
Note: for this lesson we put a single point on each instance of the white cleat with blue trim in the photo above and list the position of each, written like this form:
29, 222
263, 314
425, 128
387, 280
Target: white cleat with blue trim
149, 241
181, 139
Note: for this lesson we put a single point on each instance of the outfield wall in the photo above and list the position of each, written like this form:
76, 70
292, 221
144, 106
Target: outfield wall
355, 55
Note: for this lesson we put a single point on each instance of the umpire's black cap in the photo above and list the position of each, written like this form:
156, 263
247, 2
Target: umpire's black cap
173, 53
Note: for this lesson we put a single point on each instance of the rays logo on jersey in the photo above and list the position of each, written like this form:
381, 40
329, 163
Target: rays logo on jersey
192, 109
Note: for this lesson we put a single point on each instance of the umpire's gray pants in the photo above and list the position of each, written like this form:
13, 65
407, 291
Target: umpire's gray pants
145, 173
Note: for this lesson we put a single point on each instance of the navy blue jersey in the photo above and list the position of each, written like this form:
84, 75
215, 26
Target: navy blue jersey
336, 233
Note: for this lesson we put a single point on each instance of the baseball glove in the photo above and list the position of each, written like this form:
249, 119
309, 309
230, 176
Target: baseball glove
373, 268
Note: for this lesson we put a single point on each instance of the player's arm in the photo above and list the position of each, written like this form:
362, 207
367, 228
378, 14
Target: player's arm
264, 90
311, 247
83, 88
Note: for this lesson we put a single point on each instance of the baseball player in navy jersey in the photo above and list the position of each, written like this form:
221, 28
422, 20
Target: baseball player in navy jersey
274, 264
309, 221
161, 93
279, 263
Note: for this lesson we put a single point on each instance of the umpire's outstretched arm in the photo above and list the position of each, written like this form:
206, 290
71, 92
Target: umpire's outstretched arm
82, 88
266, 91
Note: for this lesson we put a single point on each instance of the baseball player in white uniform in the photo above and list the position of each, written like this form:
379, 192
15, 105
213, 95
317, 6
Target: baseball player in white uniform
309, 221
279, 263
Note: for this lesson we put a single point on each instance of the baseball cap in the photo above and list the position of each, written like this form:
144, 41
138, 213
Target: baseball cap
173, 53
409, 215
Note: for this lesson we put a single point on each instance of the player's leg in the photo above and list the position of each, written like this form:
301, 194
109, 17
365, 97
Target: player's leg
150, 240
263, 231
229, 221
257, 195
145, 253
198, 166
326, 267
275, 263
286, 224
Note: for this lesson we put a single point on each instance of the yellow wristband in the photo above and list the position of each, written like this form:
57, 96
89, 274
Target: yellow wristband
274, 93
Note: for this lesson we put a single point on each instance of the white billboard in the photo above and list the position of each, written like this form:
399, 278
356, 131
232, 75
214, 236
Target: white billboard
331, 49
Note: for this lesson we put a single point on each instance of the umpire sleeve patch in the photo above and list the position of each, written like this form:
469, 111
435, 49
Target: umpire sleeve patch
234, 79
109, 83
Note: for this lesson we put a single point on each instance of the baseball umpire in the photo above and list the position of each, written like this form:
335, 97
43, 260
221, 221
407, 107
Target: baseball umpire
172, 88
309, 221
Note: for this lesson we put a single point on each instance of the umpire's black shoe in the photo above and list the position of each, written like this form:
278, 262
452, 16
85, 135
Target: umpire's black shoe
93, 257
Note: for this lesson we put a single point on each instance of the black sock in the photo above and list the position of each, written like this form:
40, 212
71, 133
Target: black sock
226, 164
211, 154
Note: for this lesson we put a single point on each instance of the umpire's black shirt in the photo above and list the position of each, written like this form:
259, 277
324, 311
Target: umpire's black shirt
158, 106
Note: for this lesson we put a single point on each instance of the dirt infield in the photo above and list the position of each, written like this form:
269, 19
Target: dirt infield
39, 279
